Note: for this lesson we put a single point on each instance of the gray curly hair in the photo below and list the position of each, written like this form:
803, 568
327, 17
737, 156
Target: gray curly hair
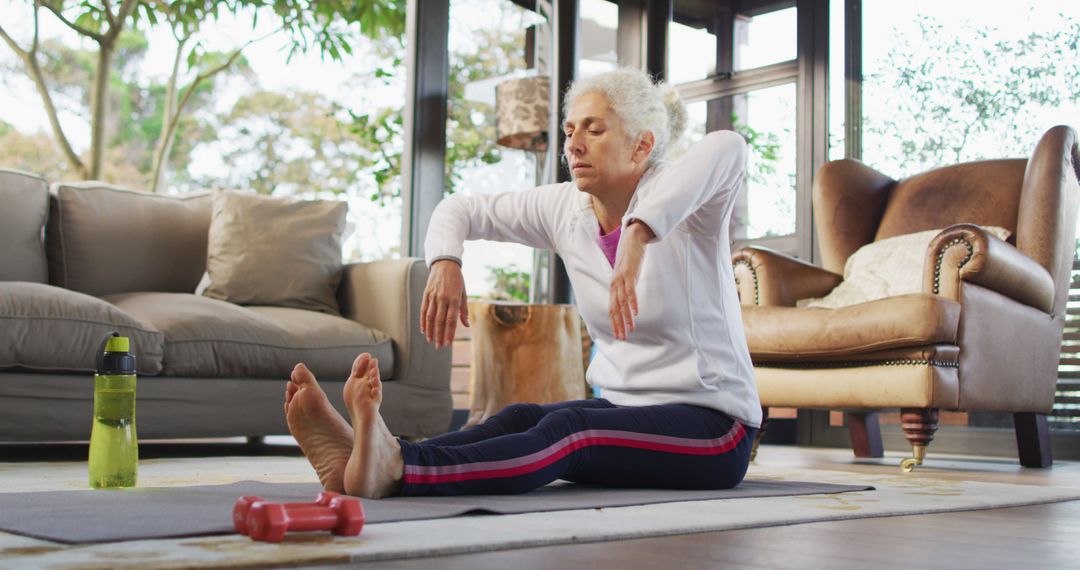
639, 103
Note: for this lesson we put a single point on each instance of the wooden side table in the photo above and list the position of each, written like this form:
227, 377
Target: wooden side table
523, 353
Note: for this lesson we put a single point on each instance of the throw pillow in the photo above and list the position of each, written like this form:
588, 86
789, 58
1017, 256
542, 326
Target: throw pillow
275, 251
105, 240
884, 268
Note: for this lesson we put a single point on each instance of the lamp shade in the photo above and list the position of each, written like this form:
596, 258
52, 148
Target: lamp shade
521, 110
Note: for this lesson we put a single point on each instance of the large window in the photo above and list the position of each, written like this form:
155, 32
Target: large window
255, 107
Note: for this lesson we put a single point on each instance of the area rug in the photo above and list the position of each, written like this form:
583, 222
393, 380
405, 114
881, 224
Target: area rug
74, 517
895, 494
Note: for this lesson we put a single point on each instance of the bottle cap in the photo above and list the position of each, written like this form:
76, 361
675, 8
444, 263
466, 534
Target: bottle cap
118, 344
114, 356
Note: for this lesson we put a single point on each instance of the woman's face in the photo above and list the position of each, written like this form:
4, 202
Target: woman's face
601, 155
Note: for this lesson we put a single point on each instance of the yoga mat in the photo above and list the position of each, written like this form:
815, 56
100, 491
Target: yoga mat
171, 512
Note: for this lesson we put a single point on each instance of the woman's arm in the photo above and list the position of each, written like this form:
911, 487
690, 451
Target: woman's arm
622, 306
712, 168
524, 217
444, 303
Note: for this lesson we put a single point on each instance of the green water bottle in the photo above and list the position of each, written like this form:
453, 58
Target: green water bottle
114, 447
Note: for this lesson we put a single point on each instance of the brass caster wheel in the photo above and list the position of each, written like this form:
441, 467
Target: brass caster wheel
919, 453
908, 465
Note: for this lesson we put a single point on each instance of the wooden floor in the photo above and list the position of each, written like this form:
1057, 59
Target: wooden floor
1043, 536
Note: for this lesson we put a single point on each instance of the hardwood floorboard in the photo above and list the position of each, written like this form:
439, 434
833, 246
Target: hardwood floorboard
1001, 538
1038, 536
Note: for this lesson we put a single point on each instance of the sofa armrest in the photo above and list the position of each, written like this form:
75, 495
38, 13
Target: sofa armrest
966, 252
386, 295
769, 278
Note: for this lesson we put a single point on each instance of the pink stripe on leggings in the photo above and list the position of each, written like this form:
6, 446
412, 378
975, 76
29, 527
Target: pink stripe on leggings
420, 474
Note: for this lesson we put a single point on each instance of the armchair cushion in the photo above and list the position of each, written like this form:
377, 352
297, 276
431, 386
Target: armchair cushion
884, 268
789, 333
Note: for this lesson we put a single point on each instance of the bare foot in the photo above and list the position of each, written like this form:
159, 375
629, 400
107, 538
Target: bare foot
324, 436
376, 466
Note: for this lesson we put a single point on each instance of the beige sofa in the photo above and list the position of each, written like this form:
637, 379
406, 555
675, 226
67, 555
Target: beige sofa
82, 259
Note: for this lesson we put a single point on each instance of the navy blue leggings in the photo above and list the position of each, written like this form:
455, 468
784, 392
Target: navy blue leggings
526, 446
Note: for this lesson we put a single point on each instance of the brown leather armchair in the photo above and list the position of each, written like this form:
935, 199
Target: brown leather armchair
983, 335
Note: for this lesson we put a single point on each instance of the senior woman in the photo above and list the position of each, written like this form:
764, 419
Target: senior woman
646, 248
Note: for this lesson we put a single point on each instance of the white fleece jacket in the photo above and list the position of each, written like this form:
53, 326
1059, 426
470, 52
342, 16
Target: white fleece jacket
689, 346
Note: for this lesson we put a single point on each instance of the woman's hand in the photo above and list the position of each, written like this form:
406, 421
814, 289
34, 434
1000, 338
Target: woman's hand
624, 306
444, 303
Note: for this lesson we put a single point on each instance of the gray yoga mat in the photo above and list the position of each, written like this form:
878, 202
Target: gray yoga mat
74, 517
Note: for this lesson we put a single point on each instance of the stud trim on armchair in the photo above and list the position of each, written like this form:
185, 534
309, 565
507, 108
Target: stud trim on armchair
941, 258
753, 273
862, 363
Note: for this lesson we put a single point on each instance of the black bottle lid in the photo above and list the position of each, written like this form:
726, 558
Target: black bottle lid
114, 356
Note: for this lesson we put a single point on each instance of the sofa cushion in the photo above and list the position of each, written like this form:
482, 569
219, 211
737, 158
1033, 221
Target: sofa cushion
789, 333
52, 329
275, 251
25, 200
104, 240
211, 338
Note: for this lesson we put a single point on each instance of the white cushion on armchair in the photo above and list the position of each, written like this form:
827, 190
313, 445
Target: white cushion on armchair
884, 268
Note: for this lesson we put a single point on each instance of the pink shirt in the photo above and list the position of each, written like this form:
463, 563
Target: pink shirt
610, 244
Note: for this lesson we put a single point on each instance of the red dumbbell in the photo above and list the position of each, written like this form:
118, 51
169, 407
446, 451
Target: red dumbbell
269, 522
243, 507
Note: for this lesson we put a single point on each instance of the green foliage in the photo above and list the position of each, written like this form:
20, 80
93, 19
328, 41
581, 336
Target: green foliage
381, 134
136, 120
765, 146
30, 153
470, 126
70, 70
275, 142
952, 91
331, 26
470, 130
36, 153
765, 155
293, 142
509, 283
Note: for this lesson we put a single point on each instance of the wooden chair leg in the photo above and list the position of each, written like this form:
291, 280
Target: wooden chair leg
1033, 440
865, 431
760, 432
919, 426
